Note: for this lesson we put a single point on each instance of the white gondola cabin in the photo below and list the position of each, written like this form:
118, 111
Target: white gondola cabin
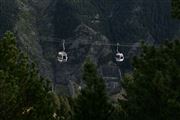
62, 56
119, 57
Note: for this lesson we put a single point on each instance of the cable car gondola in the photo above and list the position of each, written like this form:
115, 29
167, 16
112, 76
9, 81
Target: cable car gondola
62, 55
119, 56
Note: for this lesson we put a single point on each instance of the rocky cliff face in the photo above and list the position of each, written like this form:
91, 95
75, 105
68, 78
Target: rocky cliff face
125, 21
42, 24
27, 29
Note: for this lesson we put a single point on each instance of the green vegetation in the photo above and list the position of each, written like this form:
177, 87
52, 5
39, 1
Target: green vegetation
153, 89
24, 93
92, 103
176, 9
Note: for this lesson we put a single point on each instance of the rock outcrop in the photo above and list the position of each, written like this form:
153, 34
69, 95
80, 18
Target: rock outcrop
27, 31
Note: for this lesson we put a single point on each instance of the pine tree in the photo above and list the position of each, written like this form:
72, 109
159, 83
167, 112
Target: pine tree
23, 92
8, 96
92, 103
175, 9
153, 90
65, 111
8, 88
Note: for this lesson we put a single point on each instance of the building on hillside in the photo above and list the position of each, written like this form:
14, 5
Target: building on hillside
112, 77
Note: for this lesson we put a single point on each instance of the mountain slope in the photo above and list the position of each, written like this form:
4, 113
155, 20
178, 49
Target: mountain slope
40, 26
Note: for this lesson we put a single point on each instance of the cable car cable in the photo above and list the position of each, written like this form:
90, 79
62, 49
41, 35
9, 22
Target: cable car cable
95, 44
63, 57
